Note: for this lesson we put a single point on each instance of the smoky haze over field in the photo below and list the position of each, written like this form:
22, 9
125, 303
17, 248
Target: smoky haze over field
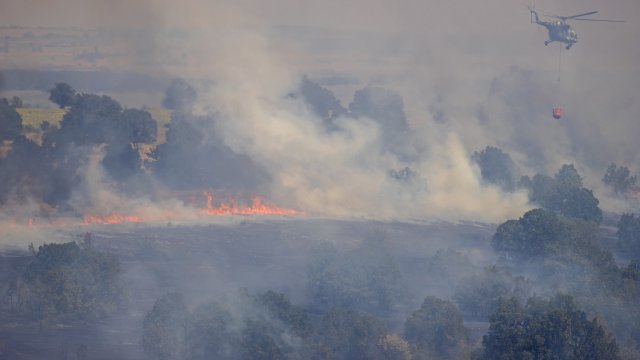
373, 119
470, 75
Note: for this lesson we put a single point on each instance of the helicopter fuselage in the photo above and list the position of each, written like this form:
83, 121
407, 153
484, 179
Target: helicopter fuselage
559, 31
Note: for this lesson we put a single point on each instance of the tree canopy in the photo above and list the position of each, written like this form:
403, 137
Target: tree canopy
73, 281
180, 95
629, 235
10, 122
63, 95
496, 167
365, 278
620, 179
436, 330
553, 329
164, 328
322, 101
564, 194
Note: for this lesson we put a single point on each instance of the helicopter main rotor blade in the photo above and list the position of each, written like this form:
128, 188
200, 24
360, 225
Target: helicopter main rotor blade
580, 15
600, 20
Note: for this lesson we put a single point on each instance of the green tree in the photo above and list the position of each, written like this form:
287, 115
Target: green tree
210, 334
91, 120
63, 95
366, 278
564, 194
568, 176
139, 126
346, 335
67, 280
16, 102
496, 167
395, 348
322, 101
629, 235
122, 162
263, 340
529, 237
10, 122
554, 329
164, 328
478, 294
280, 308
620, 179
436, 330
180, 95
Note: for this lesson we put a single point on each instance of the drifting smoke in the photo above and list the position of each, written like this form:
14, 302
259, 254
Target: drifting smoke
454, 92
427, 87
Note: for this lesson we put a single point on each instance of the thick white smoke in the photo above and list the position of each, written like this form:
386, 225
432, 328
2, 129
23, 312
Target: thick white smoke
469, 78
341, 173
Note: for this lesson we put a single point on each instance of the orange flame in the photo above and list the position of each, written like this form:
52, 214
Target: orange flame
258, 207
228, 208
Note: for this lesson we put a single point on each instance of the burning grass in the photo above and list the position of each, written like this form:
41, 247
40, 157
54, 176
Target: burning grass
195, 211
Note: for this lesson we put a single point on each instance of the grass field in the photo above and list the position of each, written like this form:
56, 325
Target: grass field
34, 117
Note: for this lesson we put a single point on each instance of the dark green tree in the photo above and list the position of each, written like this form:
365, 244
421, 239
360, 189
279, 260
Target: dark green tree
478, 294
322, 101
366, 279
263, 340
346, 335
139, 126
532, 236
564, 194
91, 120
496, 167
210, 334
67, 280
554, 329
63, 95
16, 102
189, 160
23, 171
568, 176
121, 162
164, 328
180, 96
629, 235
280, 308
10, 122
620, 179
436, 330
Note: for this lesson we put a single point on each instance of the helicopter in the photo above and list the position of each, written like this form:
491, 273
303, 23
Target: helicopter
559, 30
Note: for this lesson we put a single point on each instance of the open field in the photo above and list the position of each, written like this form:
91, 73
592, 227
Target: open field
34, 117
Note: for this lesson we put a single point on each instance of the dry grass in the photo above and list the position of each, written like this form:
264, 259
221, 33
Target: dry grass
36, 116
